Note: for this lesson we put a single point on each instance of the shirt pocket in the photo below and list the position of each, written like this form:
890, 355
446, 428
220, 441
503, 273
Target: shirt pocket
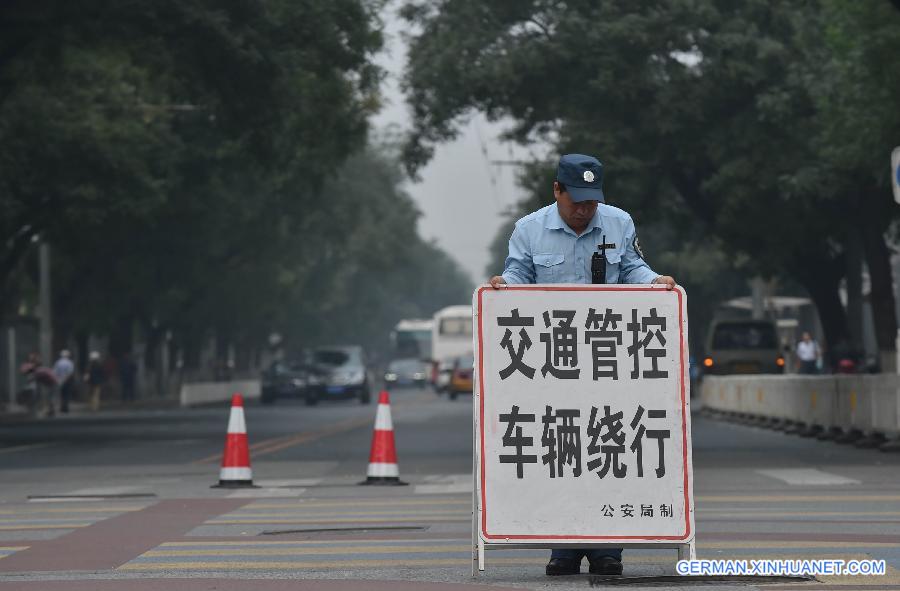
613, 262
548, 267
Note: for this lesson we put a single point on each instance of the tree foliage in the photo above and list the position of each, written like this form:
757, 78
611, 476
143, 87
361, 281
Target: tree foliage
188, 163
749, 126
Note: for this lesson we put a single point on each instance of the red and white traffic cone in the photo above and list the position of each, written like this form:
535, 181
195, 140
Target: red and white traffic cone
383, 468
236, 470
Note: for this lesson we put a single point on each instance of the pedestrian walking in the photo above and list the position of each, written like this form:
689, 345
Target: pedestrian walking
808, 354
95, 378
64, 371
40, 386
29, 396
556, 244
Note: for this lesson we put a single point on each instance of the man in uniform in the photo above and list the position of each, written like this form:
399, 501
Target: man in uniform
555, 245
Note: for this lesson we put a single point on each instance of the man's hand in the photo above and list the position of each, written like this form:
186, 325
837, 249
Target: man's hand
669, 282
497, 281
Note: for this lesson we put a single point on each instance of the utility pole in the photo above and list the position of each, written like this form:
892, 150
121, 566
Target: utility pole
13, 368
758, 292
46, 324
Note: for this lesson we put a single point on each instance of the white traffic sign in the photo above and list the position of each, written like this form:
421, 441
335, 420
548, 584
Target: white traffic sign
895, 173
582, 419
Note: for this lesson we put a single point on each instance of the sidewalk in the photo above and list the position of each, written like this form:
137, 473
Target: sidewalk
82, 409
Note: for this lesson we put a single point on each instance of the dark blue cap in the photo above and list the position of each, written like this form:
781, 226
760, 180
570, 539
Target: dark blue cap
582, 175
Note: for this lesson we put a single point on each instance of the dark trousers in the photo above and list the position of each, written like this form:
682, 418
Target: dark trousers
591, 553
808, 367
65, 395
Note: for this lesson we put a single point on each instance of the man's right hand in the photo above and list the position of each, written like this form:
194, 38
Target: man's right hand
497, 281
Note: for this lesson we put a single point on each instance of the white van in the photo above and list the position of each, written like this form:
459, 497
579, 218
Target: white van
451, 337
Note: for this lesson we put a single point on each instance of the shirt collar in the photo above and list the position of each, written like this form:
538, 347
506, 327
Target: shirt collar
554, 221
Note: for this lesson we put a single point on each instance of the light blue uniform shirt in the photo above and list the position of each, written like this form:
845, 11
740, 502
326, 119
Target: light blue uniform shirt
544, 249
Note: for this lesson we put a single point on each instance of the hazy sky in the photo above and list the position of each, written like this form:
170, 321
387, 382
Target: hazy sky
461, 193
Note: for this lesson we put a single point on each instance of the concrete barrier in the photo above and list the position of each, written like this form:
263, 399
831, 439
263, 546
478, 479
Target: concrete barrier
211, 392
885, 405
823, 397
864, 404
854, 412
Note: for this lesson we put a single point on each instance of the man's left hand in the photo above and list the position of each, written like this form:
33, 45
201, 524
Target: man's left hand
666, 280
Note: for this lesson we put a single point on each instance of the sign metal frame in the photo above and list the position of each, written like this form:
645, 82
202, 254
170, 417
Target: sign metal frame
685, 544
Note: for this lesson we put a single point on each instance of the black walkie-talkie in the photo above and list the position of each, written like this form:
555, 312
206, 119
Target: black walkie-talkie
598, 262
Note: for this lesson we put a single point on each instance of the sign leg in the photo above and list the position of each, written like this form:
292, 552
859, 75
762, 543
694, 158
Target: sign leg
476, 542
480, 555
474, 545
687, 551
474, 538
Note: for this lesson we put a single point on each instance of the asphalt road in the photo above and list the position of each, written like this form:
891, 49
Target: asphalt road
146, 517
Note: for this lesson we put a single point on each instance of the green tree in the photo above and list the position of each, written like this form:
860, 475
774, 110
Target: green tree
169, 151
705, 107
379, 272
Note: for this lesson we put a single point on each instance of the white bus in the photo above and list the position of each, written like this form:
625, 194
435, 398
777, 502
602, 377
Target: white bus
411, 339
451, 337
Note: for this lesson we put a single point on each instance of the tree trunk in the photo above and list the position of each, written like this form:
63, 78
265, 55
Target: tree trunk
875, 210
831, 315
821, 276
884, 312
854, 266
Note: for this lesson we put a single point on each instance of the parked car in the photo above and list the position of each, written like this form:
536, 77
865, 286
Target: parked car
296, 379
742, 347
406, 372
461, 376
344, 373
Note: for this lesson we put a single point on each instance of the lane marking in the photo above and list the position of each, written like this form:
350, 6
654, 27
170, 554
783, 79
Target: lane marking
28, 447
336, 520
254, 493
304, 551
807, 477
251, 548
40, 520
79, 509
264, 565
401, 562
76, 499
269, 446
99, 491
288, 482
792, 498
442, 489
48, 526
792, 544
398, 543
116, 540
755, 514
300, 515
359, 503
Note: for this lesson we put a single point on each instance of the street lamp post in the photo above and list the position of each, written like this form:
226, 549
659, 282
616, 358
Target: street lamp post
11, 361
46, 323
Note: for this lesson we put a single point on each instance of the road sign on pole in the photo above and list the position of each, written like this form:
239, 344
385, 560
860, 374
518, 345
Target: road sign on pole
895, 173
582, 418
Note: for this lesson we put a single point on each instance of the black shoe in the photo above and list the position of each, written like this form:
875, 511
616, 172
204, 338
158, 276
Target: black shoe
605, 565
564, 566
